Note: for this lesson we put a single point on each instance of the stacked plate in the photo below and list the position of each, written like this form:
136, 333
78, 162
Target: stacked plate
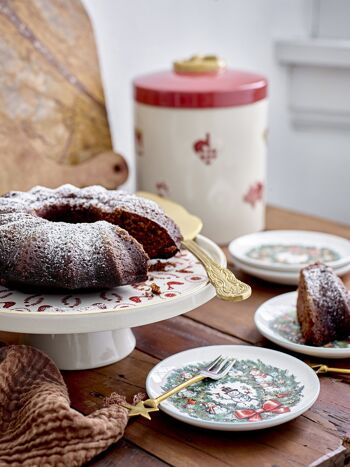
278, 255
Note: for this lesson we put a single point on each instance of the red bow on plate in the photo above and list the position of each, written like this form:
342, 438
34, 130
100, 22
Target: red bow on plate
268, 406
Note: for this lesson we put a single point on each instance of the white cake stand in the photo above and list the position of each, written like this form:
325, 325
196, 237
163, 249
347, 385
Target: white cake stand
89, 330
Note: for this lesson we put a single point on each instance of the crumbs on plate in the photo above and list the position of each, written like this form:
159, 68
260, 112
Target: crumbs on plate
155, 289
160, 266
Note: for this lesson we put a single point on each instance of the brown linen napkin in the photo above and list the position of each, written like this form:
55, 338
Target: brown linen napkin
37, 425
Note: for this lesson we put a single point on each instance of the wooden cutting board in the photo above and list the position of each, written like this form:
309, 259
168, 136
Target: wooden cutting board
53, 120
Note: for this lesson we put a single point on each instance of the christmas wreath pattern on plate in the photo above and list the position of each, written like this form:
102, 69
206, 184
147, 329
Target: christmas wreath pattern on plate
252, 391
292, 254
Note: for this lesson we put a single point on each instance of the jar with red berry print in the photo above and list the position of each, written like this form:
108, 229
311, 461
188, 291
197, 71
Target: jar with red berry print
200, 140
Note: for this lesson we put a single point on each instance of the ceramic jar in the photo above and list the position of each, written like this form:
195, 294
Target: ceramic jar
200, 139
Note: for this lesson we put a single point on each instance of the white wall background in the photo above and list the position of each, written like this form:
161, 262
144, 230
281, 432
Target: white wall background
308, 170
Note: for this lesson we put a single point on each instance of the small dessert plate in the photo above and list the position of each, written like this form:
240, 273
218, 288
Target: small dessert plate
276, 319
264, 388
281, 277
290, 250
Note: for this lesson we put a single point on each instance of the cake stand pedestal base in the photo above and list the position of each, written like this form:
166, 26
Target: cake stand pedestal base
86, 350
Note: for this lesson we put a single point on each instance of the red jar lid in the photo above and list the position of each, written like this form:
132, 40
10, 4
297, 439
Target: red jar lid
191, 87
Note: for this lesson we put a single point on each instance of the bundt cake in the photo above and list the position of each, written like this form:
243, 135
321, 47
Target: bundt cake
323, 305
74, 238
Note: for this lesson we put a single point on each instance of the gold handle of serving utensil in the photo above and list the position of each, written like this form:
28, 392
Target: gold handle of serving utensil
155, 402
322, 369
227, 286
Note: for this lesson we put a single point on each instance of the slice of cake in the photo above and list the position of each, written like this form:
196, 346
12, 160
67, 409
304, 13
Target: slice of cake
323, 305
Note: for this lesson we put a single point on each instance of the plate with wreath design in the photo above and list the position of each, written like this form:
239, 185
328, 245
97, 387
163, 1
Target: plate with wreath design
276, 319
290, 250
263, 389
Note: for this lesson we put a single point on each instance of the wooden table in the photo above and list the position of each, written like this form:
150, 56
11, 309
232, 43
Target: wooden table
319, 437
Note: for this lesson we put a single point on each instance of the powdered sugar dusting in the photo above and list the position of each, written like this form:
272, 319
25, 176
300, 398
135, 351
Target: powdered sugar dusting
326, 288
96, 196
34, 250
323, 305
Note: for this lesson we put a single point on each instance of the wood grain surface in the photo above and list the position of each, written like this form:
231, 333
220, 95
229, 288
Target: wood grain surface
53, 120
320, 437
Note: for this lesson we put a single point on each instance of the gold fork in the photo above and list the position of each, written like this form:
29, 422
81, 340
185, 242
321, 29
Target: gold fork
322, 369
216, 369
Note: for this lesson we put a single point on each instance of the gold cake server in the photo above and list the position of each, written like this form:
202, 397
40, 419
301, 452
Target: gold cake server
227, 286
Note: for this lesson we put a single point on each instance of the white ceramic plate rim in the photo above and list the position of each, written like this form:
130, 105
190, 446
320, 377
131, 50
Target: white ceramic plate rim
290, 298
310, 396
267, 269
291, 278
276, 277
107, 319
241, 245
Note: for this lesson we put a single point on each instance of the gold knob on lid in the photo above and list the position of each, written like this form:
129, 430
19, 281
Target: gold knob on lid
199, 64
